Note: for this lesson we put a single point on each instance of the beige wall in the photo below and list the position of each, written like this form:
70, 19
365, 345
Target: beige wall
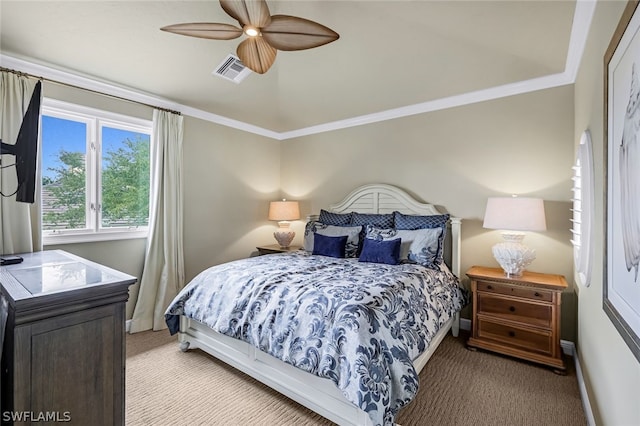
611, 372
456, 158
229, 177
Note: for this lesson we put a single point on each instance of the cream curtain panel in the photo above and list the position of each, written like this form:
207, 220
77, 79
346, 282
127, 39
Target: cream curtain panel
163, 273
20, 230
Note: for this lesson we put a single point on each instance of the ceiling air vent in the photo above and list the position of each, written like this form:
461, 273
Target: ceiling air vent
232, 69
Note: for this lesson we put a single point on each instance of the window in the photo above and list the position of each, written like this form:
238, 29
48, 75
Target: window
95, 174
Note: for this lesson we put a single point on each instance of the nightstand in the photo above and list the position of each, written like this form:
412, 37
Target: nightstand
275, 248
519, 316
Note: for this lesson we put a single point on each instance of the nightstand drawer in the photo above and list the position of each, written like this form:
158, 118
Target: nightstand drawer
514, 310
515, 337
518, 291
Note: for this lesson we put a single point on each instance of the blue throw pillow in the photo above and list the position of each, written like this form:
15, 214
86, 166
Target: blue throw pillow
336, 219
329, 246
380, 251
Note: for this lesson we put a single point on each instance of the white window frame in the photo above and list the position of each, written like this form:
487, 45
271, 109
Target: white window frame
95, 120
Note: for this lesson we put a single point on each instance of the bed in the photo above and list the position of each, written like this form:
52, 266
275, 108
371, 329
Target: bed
335, 367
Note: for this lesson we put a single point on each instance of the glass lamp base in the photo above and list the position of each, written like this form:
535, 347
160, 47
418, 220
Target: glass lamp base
513, 257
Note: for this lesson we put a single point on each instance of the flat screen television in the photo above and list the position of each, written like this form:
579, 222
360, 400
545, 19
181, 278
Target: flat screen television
25, 149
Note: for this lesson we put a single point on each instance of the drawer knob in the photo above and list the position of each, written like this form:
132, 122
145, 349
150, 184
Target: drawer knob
512, 308
489, 287
512, 334
536, 294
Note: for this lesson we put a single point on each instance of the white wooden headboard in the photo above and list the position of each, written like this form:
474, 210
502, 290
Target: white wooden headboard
382, 198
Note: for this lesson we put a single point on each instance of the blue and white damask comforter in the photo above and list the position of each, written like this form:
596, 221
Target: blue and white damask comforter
358, 324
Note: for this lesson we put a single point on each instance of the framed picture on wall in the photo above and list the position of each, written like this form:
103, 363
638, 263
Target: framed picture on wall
621, 285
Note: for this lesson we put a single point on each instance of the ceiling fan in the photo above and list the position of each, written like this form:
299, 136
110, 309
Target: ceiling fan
266, 33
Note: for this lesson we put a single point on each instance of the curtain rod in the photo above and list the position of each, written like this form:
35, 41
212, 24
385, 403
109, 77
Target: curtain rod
24, 74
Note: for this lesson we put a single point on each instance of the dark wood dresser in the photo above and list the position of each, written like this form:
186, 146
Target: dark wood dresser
517, 316
63, 354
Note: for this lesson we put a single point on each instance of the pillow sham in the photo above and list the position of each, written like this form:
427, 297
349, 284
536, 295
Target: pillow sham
352, 233
408, 221
419, 246
379, 220
325, 245
380, 251
336, 219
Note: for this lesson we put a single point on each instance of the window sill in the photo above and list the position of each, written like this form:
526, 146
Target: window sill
62, 238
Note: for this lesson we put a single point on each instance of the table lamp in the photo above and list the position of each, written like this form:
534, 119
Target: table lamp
513, 215
284, 211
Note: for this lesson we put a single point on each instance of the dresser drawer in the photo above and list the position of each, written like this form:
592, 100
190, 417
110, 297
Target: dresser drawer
514, 290
539, 341
515, 310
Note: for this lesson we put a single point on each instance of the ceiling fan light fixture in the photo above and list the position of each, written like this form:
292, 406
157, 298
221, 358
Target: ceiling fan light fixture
251, 31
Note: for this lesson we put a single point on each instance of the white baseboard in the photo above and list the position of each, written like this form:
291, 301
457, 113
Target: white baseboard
127, 326
586, 404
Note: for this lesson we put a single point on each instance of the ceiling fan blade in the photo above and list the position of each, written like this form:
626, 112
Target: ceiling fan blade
248, 12
293, 33
205, 30
256, 54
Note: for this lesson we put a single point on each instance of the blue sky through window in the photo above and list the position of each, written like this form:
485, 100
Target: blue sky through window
57, 134
69, 135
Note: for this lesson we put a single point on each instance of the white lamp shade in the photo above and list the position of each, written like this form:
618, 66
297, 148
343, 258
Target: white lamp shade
284, 210
515, 214
512, 215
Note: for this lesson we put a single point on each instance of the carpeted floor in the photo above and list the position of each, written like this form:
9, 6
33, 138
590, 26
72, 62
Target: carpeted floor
458, 387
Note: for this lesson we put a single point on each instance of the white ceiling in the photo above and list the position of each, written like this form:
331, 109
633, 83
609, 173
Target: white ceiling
393, 58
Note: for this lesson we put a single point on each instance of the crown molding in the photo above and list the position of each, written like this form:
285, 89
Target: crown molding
583, 16
469, 98
73, 78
